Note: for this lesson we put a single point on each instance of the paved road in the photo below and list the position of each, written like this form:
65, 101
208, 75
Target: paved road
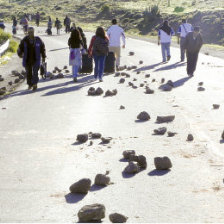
39, 160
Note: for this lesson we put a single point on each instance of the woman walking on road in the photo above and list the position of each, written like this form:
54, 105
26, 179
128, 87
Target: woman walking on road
75, 44
99, 48
164, 37
193, 44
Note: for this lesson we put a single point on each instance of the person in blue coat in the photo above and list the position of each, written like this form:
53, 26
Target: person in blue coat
32, 49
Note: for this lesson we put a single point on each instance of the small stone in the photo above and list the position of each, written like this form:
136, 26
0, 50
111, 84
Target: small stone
153, 80
216, 106
131, 53
222, 135
91, 91
90, 143
149, 91
10, 83
82, 138
147, 76
2, 92
134, 87
99, 91
142, 85
96, 135
200, 89
162, 80
200, 83
15, 73
138, 72
128, 153
65, 67
129, 68
130, 84
140, 62
123, 73
142, 161
160, 131
106, 140
109, 93
134, 67
23, 72
132, 168
128, 76
118, 218
21, 76
81, 187
1, 79
165, 119
3, 88
102, 180
190, 138
91, 213
171, 134
134, 79
54, 71
16, 80
114, 91
143, 116
166, 87
162, 163
122, 80
133, 158
122, 107
67, 71
117, 74
60, 76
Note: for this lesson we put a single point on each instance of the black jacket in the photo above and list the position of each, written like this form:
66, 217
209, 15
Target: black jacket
193, 45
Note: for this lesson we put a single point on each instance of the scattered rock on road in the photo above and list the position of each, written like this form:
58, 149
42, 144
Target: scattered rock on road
149, 91
1, 79
160, 131
200, 89
96, 135
106, 140
91, 213
162, 80
82, 138
122, 107
162, 163
200, 83
118, 218
171, 134
131, 53
102, 180
122, 80
91, 91
143, 116
142, 162
132, 168
216, 106
99, 91
140, 62
128, 153
147, 76
16, 80
10, 83
117, 74
190, 138
111, 93
81, 187
165, 119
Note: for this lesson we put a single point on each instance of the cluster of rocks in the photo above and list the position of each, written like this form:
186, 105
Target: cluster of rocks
111, 92
95, 92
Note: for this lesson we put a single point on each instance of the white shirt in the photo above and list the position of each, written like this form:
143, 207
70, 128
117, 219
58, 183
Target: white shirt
164, 37
115, 33
184, 29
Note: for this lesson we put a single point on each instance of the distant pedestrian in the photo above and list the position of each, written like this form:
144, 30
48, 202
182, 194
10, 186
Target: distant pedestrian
58, 25
75, 57
99, 48
183, 30
67, 24
32, 49
38, 19
164, 37
115, 33
193, 44
14, 25
24, 22
49, 26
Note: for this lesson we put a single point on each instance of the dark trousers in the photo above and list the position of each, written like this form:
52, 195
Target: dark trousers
67, 28
32, 74
192, 59
182, 48
99, 66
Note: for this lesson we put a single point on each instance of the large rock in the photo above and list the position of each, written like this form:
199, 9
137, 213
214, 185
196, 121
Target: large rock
162, 163
143, 116
81, 187
122, 80
102, 180
160, 131
111, 93
90, 213
132, 168
165, 119
142, 162
99, 91
190, 138
216, 106
118, 218
91, 91
82, 138
128, 153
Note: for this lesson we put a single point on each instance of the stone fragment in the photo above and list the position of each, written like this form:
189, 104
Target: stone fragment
127, 76
67, 71
200, 83
17, 80
134, 79
165, 119
216, 106
143, 116
171, 134
23, 72
200, 89
149, 91
91, 91
2, 92
128, 153
117, 74
122, 80
131, 53
142, 162
10, 83
96, 135
122, 107
133, 158
111, 93
65, 67
132, 168
130, 84
92, 213
82, 138
138, 72
153, 80
21, 76
99, 91
102, 180
190, 138
81, 187
147, 76
142, 85
160, 131
1, 79
15, 73
106, 140
118, 218
140, 62
134, 67
134, 87
162, 80
162, 163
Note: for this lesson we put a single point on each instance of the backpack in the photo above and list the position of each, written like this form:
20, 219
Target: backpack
100, 46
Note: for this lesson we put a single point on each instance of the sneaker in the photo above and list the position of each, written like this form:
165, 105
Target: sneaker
75, 80
168, 58
34, 87
30, 87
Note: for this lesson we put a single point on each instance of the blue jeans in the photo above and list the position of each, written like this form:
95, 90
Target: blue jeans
99, 66
75, 70
165, 47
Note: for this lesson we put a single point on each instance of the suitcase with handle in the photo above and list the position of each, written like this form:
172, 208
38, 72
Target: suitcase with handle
110, 63
87, 64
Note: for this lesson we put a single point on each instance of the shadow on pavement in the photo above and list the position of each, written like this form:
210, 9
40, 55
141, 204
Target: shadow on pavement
169, 67
158, 172
59, 49
123, 160
126, 175
180, 82
145, 68
74, 198
221, 141
95, 187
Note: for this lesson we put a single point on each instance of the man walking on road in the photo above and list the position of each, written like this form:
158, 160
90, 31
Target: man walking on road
193, 44
31, 49
115, 33
37, 19
183, 30
67, 24
58, 25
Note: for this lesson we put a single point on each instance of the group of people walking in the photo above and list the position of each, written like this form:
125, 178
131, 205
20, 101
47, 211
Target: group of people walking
32, 48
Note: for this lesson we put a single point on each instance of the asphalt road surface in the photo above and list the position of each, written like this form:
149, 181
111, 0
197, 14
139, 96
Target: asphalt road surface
39, 158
